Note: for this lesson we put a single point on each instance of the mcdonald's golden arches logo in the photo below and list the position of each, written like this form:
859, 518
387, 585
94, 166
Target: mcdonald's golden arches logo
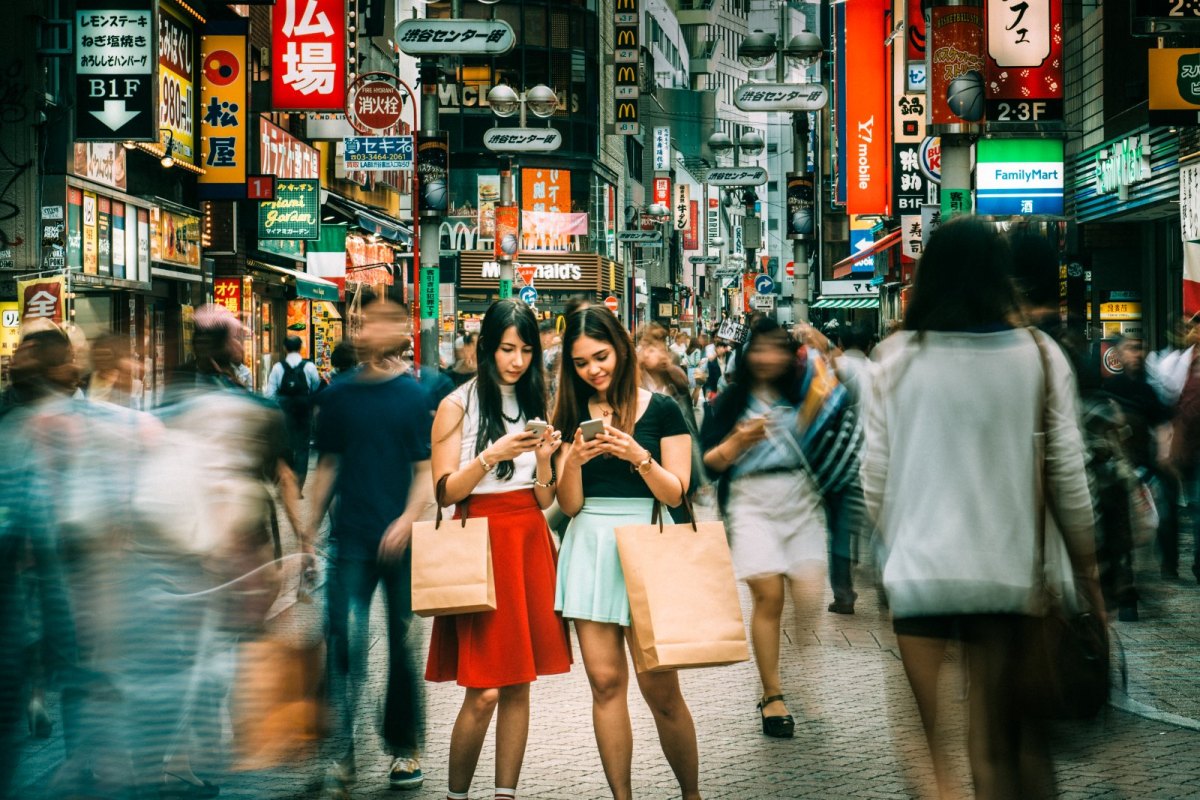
627, 109
626, 76
627, 37
626, 5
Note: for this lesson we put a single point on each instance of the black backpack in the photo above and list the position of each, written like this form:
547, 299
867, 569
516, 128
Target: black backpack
294, 383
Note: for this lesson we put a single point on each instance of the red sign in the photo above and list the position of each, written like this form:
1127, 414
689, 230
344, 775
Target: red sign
507, 239
283, 155
228, 292
790, 269
527, 271
1025, 61
308, 55
868, 139
956, 65
662, 191
914, 27
42, 299
691, 234
375, 106
260, 187
611, 303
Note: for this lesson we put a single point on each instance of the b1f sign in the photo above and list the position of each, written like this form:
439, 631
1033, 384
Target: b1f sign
308, 55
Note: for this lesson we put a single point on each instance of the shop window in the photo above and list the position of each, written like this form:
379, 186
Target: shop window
511, 15
560, 29
535, 26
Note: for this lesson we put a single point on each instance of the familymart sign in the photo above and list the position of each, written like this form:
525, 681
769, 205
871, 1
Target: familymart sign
1123, 164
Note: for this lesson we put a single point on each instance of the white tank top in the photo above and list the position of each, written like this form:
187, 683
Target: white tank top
524, 466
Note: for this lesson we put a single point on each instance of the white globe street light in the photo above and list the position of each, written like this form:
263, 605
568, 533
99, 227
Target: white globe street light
804, 49
751, 144
757, 50
503, 100
658, 210
542, 101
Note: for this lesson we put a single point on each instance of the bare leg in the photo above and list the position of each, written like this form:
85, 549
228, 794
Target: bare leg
767, 595
608, 673
676, 731
922, 657
512, 732
466, 740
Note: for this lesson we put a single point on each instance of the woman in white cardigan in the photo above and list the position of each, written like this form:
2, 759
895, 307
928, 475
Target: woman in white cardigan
949, 478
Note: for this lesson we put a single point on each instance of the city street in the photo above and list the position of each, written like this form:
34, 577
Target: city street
857, 734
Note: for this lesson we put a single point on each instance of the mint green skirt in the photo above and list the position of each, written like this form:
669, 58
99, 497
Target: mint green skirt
591, 584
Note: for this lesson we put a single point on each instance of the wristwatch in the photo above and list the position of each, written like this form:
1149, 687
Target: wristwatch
643, 466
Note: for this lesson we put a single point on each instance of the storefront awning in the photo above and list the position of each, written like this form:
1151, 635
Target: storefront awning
844, 267
308, 287
847, 302
367, 218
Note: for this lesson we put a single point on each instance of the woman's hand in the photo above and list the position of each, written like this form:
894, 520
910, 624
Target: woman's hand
748, 433
582, 452
617, 443
506, 448
548, 445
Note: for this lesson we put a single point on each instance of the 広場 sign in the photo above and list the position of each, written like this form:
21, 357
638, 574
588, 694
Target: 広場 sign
1019, 176
379, 152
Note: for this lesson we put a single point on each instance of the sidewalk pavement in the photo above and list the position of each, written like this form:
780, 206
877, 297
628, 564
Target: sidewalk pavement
857, 736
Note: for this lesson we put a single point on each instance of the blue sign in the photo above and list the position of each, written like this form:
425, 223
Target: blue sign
763, 284
379, 152
528, 295
861, 239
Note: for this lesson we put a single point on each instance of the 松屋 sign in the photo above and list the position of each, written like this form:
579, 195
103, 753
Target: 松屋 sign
308, 55
295, 213
1019, 176
224, 138
1122, 165
114, 67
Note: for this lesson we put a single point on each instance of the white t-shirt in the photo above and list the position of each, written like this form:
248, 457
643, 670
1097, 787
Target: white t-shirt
524, 466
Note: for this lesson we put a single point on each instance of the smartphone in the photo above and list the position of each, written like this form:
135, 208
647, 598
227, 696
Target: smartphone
591, 428
537, 426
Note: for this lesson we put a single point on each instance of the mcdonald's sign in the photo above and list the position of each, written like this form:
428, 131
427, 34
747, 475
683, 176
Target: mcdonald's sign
626, 58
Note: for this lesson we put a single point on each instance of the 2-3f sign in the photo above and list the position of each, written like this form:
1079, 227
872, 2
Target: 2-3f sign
114, 66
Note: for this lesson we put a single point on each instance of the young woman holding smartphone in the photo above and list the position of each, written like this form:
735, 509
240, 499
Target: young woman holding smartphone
492, 454
641, 456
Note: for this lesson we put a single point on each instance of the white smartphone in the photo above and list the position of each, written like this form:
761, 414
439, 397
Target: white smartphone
591, 428
537, 426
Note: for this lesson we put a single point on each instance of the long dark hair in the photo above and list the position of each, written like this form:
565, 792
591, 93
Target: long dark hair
733, 401
531, 388
964, 279
574, 392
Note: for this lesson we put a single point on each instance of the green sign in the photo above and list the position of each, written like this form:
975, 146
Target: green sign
288, 248
295, 213
955, 202
429, 292
505, 288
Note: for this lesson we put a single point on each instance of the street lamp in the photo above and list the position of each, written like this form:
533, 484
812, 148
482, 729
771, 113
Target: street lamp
751, 145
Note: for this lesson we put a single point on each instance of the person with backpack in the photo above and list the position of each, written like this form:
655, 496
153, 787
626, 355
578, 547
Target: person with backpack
292, 383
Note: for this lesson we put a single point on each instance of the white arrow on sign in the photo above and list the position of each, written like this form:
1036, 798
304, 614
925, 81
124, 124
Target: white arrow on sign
114, 115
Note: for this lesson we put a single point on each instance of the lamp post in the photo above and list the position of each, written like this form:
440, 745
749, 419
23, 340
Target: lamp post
504, 102
751, 145
758, 51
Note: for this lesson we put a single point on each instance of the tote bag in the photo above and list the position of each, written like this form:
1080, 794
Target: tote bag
452, 564
683, 598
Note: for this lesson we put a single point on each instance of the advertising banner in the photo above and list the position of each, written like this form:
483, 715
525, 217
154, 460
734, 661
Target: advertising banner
283, 155
801, 222
228, 292
691, 234
551, 230
1175, 79
1189, 224
224, 147
662, 191
42, 298
433, 172
174, 238
546, 190
1024, 61
662, 149
379, 153
308, 55
507, 240
91, 256
839, 104
103, 162
1019, 176
104, 235
912, 186
177, 81
867, 134
681, 209
487, 194
295, 213
114, 69
955, 54
626, 65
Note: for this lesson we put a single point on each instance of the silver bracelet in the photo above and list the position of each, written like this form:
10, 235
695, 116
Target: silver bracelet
486, 466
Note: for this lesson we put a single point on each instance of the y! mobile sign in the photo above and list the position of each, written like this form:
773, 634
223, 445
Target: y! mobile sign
867, 140
308, 55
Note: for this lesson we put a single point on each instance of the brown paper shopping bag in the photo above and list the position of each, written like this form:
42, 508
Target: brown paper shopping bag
683, 598
452, 565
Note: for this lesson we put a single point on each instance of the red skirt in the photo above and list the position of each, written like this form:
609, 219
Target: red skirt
524, 637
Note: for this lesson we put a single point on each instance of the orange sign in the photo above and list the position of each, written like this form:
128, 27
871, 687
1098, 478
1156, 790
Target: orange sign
42, 299
527, 271
546, 190
228, 292
868, 145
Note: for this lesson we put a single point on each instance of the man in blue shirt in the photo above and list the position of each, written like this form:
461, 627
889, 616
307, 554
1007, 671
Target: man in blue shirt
373, 437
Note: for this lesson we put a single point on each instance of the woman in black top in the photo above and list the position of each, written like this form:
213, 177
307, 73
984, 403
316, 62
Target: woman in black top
642, 457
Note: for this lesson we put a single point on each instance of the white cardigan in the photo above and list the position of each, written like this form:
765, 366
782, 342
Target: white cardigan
950, 471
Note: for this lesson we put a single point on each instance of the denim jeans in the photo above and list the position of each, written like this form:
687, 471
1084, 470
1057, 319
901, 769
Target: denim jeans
845, 514
350, 587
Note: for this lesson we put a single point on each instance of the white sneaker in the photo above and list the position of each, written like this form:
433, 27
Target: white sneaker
405, 773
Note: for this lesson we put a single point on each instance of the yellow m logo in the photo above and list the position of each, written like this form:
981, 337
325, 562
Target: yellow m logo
627, 75
626, 5
626, 111
626, 37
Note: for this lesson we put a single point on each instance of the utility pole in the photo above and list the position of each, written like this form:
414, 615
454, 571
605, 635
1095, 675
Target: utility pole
431, 238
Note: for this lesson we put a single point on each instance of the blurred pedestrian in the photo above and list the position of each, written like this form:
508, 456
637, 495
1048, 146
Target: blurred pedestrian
344, 360
465, 361
959, 400
114, 377
294, 383
493, 466
374, 458
642, 456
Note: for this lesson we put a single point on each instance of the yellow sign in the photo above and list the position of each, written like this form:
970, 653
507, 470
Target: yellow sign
10, 328
1174, 79
225, 119
176, 83
1119, 311
91, 241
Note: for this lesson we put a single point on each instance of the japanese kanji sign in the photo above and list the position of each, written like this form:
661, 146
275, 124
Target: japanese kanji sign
42, 298
1024, 61
546, 190
662, 191
736, 176
295, 213
379, 152
228, 292
308, 55
911, 188
662, 148
373, 105
114, 67
283, 155
482, 37
224, 139
681, 208
177, 82
781, 97
522, 140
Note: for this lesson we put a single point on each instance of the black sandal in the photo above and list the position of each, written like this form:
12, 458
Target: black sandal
777, 727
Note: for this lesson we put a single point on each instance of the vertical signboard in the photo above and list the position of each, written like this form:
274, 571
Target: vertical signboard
104, 235
308, 55
867, 131
224, 145
914, 51
801, 221
91, 256
839, 104
433, 172
295, 213
177, 82
956, 64
662, 149
1024, 61
662, 191
283, 155
691, 234
114, 68
911, 188
626, 63
681, 209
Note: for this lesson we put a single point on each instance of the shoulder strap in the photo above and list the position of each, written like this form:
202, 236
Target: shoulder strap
1041, 504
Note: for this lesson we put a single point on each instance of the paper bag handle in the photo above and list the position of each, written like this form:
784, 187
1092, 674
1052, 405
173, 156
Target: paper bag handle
657, 515
440, 499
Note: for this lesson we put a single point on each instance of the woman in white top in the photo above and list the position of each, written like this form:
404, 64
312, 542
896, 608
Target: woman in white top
486, 460
950, 476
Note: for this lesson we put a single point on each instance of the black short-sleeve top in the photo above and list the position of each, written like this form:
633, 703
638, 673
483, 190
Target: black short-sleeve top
608, 476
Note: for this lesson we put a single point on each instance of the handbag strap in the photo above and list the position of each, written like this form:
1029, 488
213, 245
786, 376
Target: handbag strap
440, 500
1041, 505
657, 515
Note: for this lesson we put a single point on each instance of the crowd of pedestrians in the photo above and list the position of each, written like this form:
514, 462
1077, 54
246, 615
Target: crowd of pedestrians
976, 454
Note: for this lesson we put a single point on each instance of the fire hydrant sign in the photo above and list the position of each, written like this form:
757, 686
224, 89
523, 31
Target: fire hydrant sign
308, 55
379, 152
114, 67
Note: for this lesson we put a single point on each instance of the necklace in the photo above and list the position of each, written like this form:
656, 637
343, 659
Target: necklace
605, 411
510, 420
